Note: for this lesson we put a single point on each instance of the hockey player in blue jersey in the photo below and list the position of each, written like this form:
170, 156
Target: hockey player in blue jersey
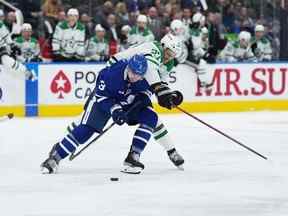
119, 88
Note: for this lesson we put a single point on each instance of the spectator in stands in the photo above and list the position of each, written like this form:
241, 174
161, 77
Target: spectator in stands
102, 14
68, 42
240, 50
98, 46
121, 13
29, 45
124, 37
140, 33
50, 10
13, 23
246, 22
155, 23
217, 42
32, 13
261, 46
186, 18
86, 20
61, 16
112, 33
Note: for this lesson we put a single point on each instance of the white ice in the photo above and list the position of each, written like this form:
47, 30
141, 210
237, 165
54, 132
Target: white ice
220, 177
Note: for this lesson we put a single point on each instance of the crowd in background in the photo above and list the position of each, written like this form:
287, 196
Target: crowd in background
113, 23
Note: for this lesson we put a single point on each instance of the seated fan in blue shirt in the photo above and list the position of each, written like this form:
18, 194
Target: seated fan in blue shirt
119, 88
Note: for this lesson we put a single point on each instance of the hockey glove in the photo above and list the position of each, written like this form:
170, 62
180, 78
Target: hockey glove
177, 98
166, 97
118, 114
15, 50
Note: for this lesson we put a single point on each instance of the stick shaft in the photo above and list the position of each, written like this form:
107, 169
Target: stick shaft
72, 156
222, 133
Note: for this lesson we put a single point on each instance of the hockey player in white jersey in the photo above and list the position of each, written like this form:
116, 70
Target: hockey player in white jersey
8, 51
261, 46
140, 33
195, 52
160, 58
97, 46
240, 50
30, 49
68, 42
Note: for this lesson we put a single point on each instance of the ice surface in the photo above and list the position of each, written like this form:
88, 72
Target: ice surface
220, 177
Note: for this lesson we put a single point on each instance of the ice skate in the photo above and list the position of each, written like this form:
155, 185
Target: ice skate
132, 165
176, 158
49, 166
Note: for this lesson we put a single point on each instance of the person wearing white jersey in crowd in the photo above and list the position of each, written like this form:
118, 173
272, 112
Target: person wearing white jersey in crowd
30, 48
98, 46
68, 42
140, 33
261, 46
239, 50
8, 53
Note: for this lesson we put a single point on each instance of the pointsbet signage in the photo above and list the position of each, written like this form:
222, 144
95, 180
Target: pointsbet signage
61, 89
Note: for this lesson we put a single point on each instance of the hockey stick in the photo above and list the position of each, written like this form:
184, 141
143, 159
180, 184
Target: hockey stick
222, 133
6, 117
74, 155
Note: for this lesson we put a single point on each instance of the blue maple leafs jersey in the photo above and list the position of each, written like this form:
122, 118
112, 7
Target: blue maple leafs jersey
112, 86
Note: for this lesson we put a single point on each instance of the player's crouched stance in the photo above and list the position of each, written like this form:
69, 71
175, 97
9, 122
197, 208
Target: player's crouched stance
119, 88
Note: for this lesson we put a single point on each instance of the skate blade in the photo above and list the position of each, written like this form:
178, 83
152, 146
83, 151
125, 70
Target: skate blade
46, 171
131, 170
180, 167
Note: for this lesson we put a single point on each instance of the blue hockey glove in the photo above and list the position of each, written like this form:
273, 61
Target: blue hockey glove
118, 114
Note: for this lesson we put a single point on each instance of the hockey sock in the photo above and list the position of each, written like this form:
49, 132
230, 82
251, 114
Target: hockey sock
69, 144
141, 138
162, 137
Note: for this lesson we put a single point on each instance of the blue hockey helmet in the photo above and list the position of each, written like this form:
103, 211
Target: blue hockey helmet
138, 64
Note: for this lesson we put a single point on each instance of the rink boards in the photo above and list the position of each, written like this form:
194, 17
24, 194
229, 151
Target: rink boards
61, 89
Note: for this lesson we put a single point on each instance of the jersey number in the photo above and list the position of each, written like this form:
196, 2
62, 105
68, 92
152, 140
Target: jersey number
102, 85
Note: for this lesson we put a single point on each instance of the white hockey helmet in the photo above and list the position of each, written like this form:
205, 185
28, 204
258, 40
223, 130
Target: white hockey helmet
173, 43
245, 36
26, 27
99, 27
126, 28
142, 18
259, 28
198, 17
73, 12
177, 26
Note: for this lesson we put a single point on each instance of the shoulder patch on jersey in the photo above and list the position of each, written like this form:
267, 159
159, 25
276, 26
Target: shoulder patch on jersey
63, 25
34, 40
80, 26
133, 30
265, 40
169, 65
19, 39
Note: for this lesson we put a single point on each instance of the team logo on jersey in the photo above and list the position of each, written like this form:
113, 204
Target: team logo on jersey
60, 85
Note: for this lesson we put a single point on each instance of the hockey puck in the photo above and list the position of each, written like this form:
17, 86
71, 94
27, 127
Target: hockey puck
10, 115
114, 179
